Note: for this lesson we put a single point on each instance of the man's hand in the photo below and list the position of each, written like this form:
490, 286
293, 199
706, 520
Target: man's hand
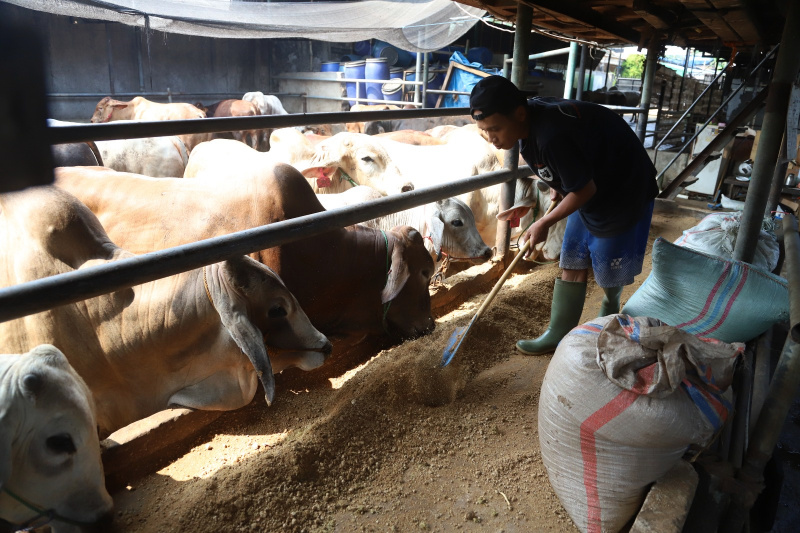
536, 233
554, 195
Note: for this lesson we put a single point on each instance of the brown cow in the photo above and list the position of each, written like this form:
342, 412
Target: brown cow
139, 108
339, 277
235, 108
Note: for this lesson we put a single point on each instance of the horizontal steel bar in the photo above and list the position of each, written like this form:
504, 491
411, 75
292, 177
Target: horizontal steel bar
132, 130
40, 295
145, 94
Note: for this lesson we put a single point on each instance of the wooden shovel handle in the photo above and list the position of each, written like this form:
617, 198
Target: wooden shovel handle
508, 270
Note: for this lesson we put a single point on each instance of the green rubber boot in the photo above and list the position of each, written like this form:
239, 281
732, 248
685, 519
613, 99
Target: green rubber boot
565, 313
610, 305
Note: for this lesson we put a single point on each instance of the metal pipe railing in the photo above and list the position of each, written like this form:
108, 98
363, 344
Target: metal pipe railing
712, 115
132, 130
696, 101
40, 295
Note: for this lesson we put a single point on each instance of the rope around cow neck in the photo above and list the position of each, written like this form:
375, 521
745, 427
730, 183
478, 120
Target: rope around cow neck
49, 514
389, 303
344, 174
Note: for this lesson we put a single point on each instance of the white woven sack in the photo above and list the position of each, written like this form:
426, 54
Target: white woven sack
621, 402
716, 235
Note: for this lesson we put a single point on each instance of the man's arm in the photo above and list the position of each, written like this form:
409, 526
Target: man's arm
571, 203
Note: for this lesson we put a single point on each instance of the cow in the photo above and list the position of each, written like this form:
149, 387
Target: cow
353, 282
140, 108
236, 108
333, 165
152, 156
418, 124
359, 127
447, 226
84, 154
418, 138
267, 104
199, 339
49, 448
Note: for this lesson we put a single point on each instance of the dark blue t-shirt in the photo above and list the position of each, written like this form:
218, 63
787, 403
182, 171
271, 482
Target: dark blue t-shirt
571, 142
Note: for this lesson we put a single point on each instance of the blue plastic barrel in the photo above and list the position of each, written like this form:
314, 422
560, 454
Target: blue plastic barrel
350, 57
355, 70
435, 80
480, 54
330, 66
392, 91
395, 73
394, 56
377, 68
362, 47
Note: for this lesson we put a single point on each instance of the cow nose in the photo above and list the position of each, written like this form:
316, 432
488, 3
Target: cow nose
488, 253
327, 349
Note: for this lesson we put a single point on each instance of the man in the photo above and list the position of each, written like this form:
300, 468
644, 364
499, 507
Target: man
590, 156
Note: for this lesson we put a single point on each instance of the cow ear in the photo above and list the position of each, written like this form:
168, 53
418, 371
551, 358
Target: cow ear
231, 305
398, 274
436, 233
515, 212
119, 104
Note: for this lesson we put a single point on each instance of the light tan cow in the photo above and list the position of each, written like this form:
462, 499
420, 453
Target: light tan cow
195, 339
339, 277
358, 127
49, 449
140, 108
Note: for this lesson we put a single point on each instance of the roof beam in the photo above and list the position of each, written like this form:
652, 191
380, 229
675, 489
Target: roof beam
656, 16
587, 16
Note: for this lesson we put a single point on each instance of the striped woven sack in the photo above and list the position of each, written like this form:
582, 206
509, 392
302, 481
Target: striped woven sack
708, 296
622, 400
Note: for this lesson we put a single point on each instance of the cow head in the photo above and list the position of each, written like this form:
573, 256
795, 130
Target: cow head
106, 109
406, 290
361, 157
49, 448
452, 230
256, 308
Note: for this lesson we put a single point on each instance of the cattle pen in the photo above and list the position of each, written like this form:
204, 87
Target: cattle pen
381, 438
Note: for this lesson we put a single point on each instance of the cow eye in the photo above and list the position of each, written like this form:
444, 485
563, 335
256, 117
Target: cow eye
367, 159
426, 273
60, 444
277, 312
457, 222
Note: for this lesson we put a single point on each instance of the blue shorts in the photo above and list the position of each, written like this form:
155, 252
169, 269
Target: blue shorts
615, 260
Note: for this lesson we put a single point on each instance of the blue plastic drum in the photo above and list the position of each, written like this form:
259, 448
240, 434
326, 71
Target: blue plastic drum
355, 70
392, 91
395, 73
329, 66
377, 68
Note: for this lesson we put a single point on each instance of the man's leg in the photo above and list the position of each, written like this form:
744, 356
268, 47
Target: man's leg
569, 291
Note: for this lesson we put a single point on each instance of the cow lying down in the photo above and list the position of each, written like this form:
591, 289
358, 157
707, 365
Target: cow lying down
195, 339
49, 449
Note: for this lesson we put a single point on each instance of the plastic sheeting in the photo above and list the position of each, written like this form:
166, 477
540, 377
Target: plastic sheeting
415, 25
709, 297
463, 81
622, 400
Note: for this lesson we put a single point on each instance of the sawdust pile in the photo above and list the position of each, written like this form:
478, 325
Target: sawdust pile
369, 453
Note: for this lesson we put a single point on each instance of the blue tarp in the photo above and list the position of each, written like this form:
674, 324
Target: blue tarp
463, 81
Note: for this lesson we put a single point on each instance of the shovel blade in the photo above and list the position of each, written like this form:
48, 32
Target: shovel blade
453, 344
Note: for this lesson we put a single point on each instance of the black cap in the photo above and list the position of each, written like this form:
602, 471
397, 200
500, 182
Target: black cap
494, 94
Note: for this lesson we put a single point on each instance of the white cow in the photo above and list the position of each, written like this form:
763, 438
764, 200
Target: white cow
267, 104
195, 339
334, 167
157, 157
49, 448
